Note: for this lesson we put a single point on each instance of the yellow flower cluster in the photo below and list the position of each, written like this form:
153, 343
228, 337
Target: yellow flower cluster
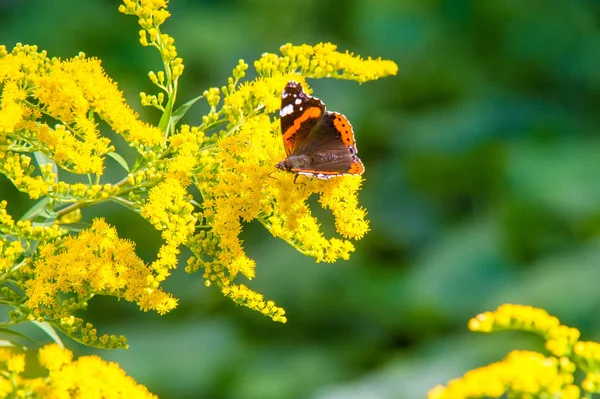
529, 374
19, 170
12, 364
88, 376
559, 339
168, 209
73, 92
233, 176
522, 374
229, 158
587, 356
94, 262
323, 61
186, 145
10, 251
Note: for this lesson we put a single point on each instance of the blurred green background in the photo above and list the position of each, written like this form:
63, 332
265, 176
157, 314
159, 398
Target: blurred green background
482, 185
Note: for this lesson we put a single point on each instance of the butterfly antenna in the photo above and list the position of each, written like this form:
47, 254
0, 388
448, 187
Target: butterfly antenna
270, 173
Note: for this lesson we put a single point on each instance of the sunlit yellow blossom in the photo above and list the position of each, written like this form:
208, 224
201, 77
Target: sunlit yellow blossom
243, 295
323, 61
9, 253
12, 384
168, 209
19, 170
520, 374
16, 364
88, 376
53, 357
559, 339
72, 92
342, 199
233, 178
186, 144
11, 111
587, 355
53, 108
514, 317
96, 261
591, 383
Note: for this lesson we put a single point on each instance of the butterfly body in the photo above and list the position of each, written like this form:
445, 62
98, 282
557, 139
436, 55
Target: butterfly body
317, 142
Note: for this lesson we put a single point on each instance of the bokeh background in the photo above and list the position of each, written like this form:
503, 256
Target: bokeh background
482, 184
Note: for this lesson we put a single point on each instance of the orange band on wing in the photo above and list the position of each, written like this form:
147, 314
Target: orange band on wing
312, 112
343, 126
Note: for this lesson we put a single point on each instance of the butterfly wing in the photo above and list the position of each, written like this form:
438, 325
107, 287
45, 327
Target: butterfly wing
299, 114
331, 148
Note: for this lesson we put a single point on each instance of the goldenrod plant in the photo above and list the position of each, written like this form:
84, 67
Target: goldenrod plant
50, 113
528, 374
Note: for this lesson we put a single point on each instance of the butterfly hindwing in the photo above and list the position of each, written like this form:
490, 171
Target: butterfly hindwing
299, 113
331, 147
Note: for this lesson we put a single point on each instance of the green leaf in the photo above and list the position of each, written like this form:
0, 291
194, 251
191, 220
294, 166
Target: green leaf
37, 209
137, 163
164, 124
181, 111
48, 329
8, 331
42, 159
117, 157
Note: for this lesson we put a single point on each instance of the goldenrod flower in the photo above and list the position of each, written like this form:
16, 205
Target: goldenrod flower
324, 61
74, 93
559, 339
88, 376
53, 107
521, 374
529, 374
50, 112
94, 262
232, 176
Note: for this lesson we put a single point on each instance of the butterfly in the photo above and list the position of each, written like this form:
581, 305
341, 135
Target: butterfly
317, 142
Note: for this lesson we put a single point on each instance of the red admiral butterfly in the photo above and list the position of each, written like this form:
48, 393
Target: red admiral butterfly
317, 142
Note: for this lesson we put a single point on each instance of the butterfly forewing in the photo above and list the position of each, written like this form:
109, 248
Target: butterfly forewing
299, 114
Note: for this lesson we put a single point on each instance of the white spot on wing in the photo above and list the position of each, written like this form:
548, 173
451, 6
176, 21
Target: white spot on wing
298, 101
285, 94
288, 109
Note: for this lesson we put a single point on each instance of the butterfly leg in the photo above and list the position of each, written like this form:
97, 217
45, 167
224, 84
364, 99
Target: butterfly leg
296, 177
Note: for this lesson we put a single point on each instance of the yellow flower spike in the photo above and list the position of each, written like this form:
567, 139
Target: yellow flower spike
520, 374
322, 60
515, 317
95, 261
16, 364
83, 376
587, 355
53, 357
561, 339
